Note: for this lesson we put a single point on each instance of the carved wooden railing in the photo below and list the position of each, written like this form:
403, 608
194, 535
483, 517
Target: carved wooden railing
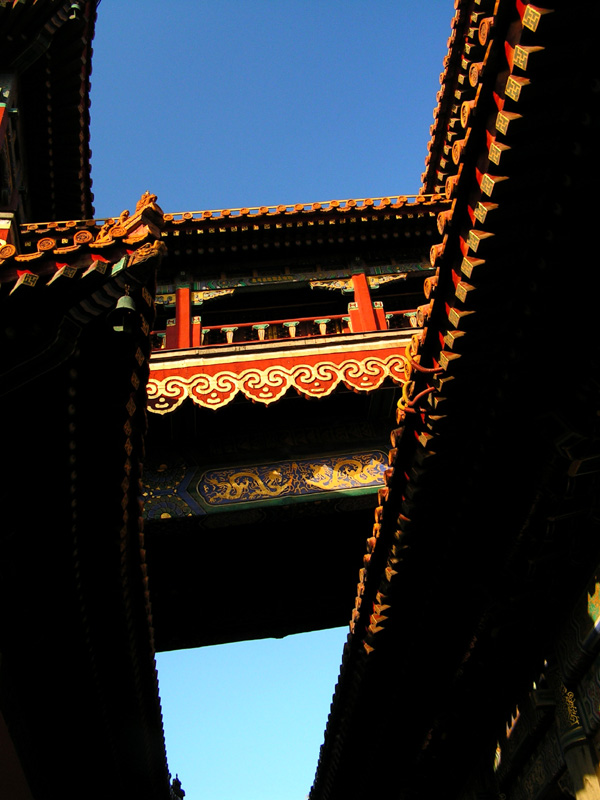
283, 329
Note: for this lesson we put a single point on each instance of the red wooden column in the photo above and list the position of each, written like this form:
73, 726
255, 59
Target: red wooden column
362, 315
196, 331
171, 335
183, 316
380, 316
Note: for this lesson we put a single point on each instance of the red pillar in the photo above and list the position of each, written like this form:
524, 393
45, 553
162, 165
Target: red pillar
183, 316
380, 316
361, 310
171, 335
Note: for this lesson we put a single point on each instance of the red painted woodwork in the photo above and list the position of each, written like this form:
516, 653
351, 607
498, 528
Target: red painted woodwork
183, 317
361, 312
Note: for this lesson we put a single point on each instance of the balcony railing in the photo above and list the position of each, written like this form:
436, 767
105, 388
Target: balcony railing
245, 333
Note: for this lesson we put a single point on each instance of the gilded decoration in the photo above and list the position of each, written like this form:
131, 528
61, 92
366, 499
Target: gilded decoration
199, 297
285, 479
180, 490
215, 387
375, 281
344, 284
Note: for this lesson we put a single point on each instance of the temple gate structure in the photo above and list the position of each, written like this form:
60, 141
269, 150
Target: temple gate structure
202, 407
271, 395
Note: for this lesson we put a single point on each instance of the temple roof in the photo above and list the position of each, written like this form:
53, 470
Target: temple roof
48, 46
473, 521
76, 373
327, 234
360, 204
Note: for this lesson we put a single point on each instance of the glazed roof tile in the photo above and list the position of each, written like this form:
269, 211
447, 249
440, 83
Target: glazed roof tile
65, 239
56, 249
71, 228
341, 206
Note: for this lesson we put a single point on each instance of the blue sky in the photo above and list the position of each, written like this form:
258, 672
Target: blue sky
247, 103
245, 721
222, 105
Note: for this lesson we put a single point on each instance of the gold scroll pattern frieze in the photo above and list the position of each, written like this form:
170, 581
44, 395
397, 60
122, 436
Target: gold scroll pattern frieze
287, 479
267, 384
347, 285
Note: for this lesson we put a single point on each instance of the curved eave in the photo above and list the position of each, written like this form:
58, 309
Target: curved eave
467, 536
464, 49
63, 368
401, 205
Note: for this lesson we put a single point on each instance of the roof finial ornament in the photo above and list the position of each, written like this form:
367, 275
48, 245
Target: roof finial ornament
176, 789
146, 199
